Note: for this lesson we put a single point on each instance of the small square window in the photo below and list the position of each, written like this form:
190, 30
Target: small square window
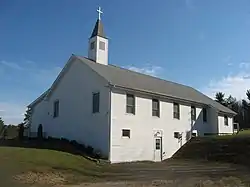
92, 45
102, 45
176, 134
126, 133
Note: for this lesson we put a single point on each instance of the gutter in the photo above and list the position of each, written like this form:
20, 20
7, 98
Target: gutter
158, 94
168, 97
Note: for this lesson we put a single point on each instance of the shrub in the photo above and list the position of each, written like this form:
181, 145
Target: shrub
97, 154
89, 150
65, 140
74, 143
40, 132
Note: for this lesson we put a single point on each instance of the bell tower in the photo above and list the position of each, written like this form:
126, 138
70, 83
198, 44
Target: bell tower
98, 43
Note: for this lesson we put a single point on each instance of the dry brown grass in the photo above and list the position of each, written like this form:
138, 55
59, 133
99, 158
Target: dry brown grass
40, 178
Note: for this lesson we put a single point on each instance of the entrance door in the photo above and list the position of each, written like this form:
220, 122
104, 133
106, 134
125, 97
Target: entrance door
158, 149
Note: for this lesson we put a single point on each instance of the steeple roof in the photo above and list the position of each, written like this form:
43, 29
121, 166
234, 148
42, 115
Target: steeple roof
98, 30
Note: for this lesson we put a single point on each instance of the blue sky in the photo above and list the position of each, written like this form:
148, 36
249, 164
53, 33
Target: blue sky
201, 43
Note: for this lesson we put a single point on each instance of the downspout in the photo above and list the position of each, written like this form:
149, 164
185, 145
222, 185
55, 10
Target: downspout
109, 121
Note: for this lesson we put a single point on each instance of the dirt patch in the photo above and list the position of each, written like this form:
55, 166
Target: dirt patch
190, 182
48, 178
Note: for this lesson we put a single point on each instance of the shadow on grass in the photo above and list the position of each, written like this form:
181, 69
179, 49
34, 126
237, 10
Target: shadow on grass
55, 144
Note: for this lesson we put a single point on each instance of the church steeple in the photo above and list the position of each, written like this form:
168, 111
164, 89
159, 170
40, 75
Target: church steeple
98, 43
98, 30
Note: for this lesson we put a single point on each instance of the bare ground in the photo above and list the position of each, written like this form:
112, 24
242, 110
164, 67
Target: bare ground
170, 173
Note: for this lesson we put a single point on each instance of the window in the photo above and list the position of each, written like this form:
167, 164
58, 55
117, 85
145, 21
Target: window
125, 133
96, 101
176, 135
56, 109
92, 45
155, 107
204, 114
194, 134
193, 113
102, 45
130, 104
157, 144
176, 111
225, 120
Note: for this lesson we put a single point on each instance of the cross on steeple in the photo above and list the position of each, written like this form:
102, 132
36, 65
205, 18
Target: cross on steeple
99, 13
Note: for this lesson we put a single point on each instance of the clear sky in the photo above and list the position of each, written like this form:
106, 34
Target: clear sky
201, 43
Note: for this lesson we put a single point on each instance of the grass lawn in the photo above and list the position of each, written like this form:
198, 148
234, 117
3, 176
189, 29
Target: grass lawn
16, 161
26, 167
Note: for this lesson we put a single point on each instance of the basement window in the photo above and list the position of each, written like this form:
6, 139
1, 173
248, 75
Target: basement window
126, 133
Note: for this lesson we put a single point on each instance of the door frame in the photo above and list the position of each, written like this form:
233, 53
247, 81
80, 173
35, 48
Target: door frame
158, 135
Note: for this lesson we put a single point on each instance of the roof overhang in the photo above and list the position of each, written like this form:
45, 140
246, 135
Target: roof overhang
154, 94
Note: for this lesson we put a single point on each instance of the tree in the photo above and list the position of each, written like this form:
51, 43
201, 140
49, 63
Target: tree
248, 94
27, 117
219, 97
20, 131
1, 123
231, 102
244, 111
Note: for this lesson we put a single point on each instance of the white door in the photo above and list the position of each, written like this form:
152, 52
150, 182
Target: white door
158, 149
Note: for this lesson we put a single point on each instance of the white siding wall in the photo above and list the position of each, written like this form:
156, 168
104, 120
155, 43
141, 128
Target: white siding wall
140, 146
76, 120
213, 121
225, 128
39, 114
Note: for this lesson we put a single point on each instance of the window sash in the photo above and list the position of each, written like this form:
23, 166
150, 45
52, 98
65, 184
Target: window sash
157, 144
155, 107
226, 120
204, 114
176, 112
130, 105
96, 102
56, 109
193, 113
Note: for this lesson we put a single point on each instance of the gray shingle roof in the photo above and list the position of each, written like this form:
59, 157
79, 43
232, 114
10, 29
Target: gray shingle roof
98, 30
134, 80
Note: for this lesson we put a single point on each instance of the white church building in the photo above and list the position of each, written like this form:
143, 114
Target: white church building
128, 116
